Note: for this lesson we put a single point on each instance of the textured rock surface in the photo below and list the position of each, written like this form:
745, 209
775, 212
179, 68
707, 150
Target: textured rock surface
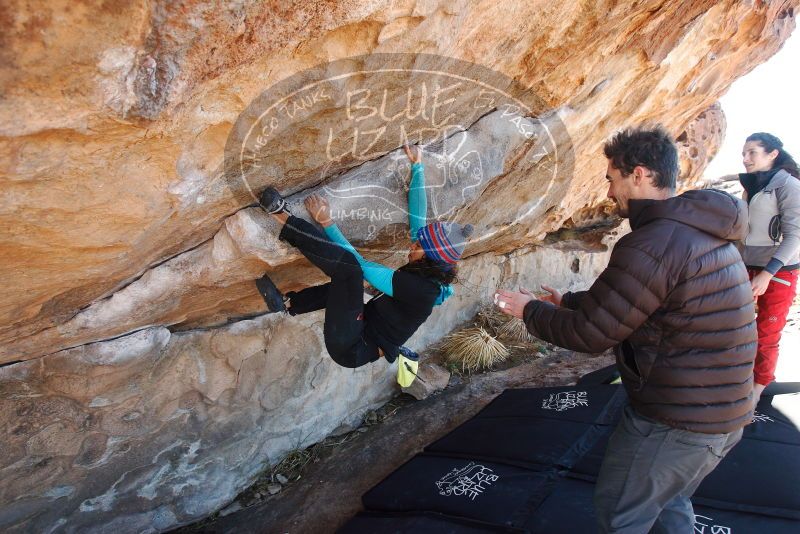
433, 378
123, 227
117, 165
156, 429
214, 281
699, 143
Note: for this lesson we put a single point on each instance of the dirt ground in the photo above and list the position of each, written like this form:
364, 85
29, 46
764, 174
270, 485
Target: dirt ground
323, 484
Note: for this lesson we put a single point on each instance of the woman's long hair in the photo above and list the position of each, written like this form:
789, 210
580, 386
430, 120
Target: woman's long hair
784, 160
427, 268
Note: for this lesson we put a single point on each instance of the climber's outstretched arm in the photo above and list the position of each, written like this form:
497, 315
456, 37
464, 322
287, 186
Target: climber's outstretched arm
379, 276
417, 200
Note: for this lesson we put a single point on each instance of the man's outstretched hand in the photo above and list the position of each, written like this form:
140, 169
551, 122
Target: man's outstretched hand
553, 298
513, 303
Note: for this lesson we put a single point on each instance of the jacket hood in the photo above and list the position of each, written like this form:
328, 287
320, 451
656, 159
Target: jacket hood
709, 210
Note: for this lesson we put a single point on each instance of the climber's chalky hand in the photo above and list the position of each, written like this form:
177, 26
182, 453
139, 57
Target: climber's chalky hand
414, 154
319, 209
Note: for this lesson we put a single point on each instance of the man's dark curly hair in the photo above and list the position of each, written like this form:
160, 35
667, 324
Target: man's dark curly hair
652, 147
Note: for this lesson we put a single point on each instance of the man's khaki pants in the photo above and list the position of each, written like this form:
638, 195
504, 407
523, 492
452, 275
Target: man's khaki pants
650, 471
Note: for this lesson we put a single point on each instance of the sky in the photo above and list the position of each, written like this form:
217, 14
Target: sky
765, 100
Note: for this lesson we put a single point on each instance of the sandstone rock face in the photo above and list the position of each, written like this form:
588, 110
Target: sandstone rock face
130, 240
155, 429
192, 288
699, 143
152, 428
119, 163
431, 378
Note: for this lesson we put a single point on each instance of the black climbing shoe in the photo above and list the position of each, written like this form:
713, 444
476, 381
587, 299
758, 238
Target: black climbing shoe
272, 201
270, 294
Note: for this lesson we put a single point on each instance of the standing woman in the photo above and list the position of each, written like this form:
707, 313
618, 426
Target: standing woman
772, 247
357, 334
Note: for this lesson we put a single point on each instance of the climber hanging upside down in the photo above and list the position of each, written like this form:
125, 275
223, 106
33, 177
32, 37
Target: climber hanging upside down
357, 334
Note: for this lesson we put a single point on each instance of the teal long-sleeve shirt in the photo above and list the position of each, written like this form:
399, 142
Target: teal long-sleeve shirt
417, 201
380, 276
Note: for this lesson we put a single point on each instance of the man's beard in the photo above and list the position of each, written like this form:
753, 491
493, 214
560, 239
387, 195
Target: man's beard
622, 212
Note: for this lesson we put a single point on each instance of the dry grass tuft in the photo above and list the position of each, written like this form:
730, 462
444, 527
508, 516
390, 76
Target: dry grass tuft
491, 319
474, 348
514, 329
502, 325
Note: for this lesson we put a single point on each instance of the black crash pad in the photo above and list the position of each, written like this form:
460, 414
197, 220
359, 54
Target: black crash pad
527, 463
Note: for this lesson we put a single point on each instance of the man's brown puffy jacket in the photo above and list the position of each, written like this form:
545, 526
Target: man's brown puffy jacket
675, 302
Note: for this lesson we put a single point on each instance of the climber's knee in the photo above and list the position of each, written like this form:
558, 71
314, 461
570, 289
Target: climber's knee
347, 265
352, 355
345, 358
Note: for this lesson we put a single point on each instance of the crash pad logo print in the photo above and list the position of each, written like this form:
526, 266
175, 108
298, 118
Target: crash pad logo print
706, 525
565, 400
469, 481
762, 418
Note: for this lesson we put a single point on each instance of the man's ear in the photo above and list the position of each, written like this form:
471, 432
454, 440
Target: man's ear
639, 175
642, 176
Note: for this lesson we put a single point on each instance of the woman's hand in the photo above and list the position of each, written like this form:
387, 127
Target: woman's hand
414, 154
759, 283
319, 209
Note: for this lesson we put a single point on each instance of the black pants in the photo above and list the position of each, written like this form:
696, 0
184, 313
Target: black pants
342, 298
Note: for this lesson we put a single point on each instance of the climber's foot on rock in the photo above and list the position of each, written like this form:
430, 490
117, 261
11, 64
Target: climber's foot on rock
272, 201
271, 295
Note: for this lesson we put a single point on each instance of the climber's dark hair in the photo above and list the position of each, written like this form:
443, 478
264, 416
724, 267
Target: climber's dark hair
784, 160
650, 147
432, 270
